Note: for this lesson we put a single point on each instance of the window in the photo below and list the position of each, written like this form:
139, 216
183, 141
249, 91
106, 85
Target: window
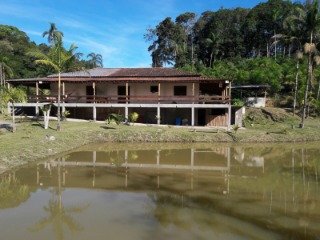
154, 89
180, 90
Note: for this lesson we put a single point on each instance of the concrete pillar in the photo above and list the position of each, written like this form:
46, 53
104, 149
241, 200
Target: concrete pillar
158, 115
126, 112
159, 92
94, 112
192, 116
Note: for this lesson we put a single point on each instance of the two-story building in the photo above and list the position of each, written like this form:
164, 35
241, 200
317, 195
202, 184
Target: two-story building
158, 95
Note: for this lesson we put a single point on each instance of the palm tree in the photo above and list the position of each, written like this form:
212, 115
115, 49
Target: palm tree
96, 60
58, 215
298, 56
12, 95
52, 33
312, 22
58, 58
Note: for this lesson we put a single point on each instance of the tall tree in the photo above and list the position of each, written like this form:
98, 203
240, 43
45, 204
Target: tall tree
186, 22
298, 56
53, 34
58, 58
164, 39
312, 23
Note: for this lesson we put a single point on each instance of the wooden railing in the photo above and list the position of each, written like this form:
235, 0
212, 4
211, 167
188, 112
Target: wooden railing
131, 99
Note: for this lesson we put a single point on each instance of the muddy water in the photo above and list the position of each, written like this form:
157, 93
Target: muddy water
166, 191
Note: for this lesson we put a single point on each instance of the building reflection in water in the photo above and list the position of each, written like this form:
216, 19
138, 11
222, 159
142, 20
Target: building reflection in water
264, 187
193, 164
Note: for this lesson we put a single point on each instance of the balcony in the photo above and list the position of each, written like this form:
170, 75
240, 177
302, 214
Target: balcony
130, 99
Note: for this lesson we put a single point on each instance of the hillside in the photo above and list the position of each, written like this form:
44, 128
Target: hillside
269, 116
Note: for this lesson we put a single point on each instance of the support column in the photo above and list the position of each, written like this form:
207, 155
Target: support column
127, 102
229, 103
127, 92
94, 91
37, 99
94, 102
94, 108
158, 115
193, 90
159, 92
126, 112
64, 95
192, 116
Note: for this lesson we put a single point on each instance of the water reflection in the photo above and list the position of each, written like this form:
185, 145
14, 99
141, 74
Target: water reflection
199, 191
57, 215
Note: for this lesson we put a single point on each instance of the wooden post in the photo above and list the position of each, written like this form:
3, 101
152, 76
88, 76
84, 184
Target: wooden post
193, 93
159, 92
64, 95
94, 91
37, 99
127, 92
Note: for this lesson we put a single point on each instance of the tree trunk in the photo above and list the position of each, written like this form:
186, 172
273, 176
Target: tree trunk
13, 119
305, 104
210, 65
46, 115
296, 89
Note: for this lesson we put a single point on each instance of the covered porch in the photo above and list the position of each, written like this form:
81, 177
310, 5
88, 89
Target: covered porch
174, 99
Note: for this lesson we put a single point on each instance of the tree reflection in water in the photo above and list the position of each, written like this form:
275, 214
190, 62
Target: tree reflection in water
58, 215
12, 192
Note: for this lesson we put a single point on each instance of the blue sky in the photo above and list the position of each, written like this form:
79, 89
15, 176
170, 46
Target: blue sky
113, 28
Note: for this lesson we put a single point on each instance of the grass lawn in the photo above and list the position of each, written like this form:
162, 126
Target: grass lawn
31, 142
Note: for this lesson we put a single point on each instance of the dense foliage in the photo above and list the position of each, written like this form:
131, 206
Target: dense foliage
249, 46
17, 63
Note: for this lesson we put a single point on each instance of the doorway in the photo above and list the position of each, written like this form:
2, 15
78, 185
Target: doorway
122, 94
89, 94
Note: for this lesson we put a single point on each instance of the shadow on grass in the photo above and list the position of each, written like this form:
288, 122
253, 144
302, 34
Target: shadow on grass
108, 128
39, 124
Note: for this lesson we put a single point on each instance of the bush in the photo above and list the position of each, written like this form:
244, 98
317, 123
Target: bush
237, 102
116, 118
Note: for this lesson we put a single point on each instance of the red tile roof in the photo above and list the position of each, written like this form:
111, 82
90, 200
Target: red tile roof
123, 74
128, 72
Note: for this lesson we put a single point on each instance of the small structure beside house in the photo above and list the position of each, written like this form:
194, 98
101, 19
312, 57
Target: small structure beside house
158, 95
251, 95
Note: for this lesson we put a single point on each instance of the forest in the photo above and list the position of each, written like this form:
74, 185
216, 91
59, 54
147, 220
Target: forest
274, 43
17, 54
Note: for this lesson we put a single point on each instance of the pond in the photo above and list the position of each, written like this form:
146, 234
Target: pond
166, 191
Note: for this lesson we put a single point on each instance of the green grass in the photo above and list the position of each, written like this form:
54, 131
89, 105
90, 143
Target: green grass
29, 143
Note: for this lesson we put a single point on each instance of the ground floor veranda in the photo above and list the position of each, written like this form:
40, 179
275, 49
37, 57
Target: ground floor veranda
194, 114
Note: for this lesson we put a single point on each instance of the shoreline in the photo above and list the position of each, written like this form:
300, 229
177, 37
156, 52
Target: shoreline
32, 143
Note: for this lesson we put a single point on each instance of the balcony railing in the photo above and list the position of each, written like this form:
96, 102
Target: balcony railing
132, 99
